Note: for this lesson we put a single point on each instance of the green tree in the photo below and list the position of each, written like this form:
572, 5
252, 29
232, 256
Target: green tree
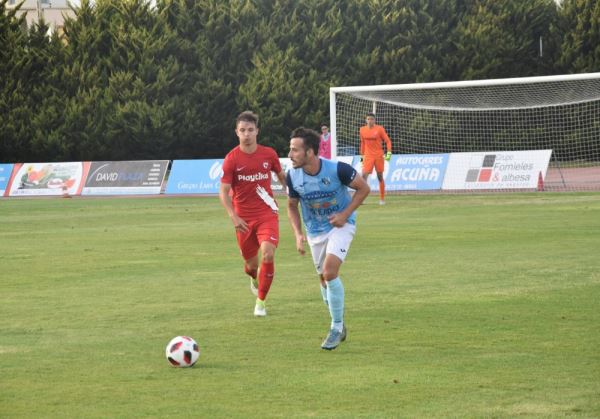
46, 94
581, 41
136, 79
29, 95
13, 97
502, 39
285, 91
215, 42
137, 88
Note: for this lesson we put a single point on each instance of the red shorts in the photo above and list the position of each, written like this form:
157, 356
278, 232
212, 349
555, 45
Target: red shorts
371, 161
259, 230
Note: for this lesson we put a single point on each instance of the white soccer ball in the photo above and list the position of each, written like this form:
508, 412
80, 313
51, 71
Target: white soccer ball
182, 351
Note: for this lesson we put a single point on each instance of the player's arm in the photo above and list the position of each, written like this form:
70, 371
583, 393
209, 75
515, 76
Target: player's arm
281, 179
225, 198
294, 215
388, 142
362, 145
277, 169
362, 190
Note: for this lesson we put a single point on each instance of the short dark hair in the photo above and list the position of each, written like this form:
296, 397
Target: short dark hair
310, 138
247, 116
370, 114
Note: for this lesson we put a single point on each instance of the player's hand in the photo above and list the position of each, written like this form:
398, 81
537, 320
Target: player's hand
239, 224
300, 239
387, 156
337, 219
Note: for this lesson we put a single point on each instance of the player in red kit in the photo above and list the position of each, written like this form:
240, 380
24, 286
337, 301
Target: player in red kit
247, 197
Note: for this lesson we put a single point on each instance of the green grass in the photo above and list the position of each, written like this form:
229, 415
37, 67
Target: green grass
457, 306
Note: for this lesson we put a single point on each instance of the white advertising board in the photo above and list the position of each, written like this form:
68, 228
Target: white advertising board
496, 170
47, 179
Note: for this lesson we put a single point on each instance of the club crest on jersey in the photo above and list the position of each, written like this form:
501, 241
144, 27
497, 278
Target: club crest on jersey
265, 165
326, 181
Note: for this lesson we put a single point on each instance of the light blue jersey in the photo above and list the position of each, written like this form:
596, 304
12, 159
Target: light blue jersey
322, 195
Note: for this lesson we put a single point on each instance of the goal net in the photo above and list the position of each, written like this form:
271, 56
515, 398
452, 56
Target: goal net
504, 125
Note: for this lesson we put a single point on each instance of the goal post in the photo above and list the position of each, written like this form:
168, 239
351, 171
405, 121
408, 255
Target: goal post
517, 122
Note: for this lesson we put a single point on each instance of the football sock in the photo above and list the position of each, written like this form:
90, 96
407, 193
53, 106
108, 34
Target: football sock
335, 296
265, 278
338, 326
324, 294
251, 272
381, 190
260, 303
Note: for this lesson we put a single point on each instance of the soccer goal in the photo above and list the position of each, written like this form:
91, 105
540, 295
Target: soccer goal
488, 131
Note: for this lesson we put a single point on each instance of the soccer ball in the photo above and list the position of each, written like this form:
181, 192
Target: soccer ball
182, 351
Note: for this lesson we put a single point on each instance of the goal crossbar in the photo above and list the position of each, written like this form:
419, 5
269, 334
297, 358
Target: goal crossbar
465, 83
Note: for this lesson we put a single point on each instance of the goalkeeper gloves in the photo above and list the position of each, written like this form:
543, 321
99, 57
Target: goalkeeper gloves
388, 155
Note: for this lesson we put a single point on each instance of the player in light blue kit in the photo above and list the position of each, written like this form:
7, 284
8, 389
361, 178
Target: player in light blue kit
320, 186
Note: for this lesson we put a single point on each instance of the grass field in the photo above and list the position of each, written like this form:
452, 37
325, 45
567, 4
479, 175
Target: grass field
457, 306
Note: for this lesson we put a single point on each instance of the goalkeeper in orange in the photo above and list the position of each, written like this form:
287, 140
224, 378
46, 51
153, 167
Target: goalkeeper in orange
371, 152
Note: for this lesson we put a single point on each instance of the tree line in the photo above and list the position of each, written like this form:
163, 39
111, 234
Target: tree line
134, 79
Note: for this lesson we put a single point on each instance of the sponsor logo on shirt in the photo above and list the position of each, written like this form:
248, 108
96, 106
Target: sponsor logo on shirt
319, 195
254, 177
325, 204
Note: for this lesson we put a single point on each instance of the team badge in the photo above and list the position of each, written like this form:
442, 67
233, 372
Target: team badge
265, 165
326, 181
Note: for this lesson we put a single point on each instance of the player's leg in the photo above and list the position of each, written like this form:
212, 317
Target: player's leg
249, 246
335, 291
367, 167
267, 233
323, 289
379, 167
337, 249
267, 269
318, 247
251, 268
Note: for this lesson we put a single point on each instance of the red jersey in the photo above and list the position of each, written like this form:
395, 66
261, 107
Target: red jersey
250, 178
370, 141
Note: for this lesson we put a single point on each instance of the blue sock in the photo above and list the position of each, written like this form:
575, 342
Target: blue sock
324, 294
335, 296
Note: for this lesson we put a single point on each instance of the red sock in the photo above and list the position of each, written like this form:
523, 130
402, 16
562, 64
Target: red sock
381, 190
251, 272
265, 278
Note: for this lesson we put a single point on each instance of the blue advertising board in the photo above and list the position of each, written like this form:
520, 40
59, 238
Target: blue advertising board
410, 172
5, 172
195, 177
